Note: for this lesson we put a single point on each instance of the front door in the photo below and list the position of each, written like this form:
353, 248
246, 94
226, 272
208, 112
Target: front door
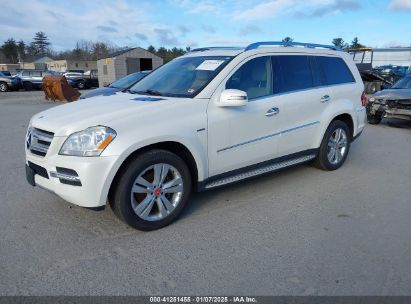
242, 136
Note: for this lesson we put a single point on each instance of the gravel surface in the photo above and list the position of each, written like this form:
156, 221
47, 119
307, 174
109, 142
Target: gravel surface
297, 232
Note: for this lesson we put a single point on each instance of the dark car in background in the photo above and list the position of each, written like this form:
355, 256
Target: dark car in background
116, 86
391, 103
83, 81
8, 82
5, 73
392, 73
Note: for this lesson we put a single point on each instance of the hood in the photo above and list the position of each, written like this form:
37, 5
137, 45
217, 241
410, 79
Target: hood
76, 116
106, 91
393, 94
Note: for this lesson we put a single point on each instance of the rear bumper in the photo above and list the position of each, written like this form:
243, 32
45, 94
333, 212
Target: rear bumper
79, 180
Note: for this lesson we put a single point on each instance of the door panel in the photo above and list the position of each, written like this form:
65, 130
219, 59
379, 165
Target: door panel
242, 136
304, 98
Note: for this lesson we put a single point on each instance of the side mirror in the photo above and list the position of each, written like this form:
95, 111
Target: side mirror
232, 98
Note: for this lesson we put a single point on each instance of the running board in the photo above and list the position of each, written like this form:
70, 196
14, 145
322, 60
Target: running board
259, 171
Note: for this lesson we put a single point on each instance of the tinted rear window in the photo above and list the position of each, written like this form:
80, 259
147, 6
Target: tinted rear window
335, 70
296, 73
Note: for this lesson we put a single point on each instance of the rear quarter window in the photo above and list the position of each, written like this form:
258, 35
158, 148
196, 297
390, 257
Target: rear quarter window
335, 70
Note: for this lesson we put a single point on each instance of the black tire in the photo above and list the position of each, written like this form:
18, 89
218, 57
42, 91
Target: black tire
3, 86
121, 198
28, 86
322, 161
374, 119
81, 85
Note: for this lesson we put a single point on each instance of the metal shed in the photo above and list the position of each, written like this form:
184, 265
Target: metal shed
124, 62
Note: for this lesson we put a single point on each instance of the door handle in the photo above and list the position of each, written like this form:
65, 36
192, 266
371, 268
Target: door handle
325, 98
272, 112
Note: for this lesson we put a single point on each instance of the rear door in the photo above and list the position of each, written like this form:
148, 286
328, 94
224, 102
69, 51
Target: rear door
304, 98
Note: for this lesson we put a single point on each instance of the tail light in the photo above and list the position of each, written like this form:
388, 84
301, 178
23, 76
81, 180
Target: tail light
363, 99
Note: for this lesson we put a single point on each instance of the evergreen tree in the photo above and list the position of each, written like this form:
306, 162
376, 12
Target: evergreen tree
355, 44
41, 43
9, 49
340, 43
151, 49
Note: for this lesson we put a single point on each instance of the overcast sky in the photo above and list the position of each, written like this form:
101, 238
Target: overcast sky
206, 23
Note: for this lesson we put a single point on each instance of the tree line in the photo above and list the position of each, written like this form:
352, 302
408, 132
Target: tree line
20, 51
338, 42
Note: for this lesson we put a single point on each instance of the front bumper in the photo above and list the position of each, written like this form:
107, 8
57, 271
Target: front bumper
93, 175
388, 110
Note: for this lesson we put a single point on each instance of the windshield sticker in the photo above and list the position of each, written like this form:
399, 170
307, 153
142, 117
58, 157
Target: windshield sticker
209, 65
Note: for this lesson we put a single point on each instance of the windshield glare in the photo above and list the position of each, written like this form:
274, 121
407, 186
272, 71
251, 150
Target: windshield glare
127, 81
182, 77
404, 83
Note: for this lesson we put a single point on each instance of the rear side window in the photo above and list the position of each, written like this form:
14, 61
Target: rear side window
335, 70
295, 73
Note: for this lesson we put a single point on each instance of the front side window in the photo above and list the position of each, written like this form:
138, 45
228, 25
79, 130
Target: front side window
254, 77
181, 77
335, 70
295, 73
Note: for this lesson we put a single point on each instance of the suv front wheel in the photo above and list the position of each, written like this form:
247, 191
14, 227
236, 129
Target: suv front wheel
334, 146
152, 190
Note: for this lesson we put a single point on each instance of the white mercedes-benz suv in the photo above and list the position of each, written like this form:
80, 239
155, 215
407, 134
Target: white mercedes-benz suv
206, 119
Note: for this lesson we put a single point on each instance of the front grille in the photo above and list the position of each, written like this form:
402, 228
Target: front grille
38, 141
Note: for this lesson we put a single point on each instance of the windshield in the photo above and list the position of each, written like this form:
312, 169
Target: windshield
127, 81
182, 77
404, 83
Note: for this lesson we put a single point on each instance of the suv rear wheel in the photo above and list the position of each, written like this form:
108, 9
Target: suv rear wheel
334, 146
152, 191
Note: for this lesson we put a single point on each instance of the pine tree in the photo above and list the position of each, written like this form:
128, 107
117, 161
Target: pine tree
355, 44
41, 43
9, 49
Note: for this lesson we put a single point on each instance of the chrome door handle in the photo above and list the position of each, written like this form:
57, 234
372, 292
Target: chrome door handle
325, 98
272, 112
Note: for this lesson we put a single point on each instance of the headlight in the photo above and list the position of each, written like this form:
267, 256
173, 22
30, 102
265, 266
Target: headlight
372, 99
89, 142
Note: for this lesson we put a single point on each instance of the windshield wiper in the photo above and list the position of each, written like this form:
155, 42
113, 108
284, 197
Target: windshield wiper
149, 92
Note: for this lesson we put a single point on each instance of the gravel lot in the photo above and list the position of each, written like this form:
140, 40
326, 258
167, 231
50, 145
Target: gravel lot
297, 232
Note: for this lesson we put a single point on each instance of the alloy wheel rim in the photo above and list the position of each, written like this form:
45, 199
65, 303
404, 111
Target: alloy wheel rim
156, 192
2, 87
337, 146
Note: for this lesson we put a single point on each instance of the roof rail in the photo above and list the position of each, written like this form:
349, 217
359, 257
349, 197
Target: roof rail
216, 48
256, 45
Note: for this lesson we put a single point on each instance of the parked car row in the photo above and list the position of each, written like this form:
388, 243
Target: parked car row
32, 79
